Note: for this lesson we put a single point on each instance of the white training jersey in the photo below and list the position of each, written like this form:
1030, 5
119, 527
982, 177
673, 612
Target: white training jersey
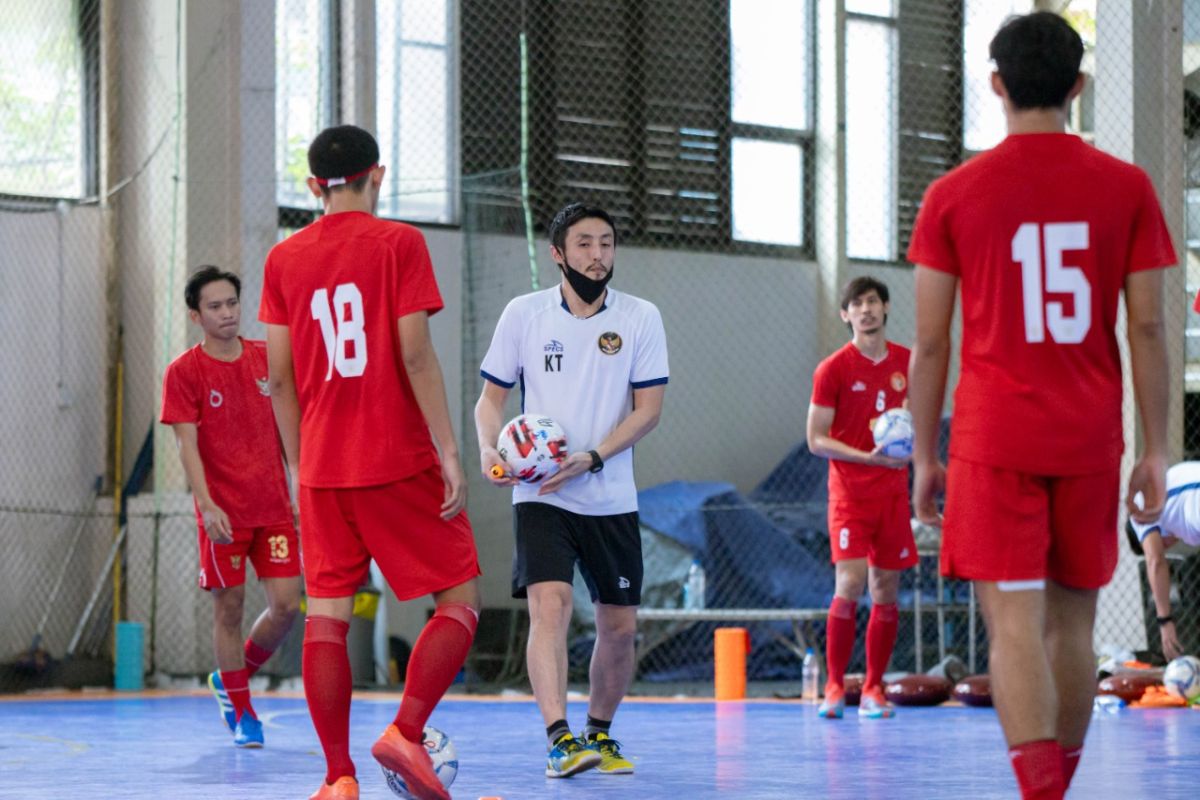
1181, 512
581, 373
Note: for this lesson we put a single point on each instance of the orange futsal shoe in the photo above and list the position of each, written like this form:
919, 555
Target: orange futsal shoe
411, 760
344, 788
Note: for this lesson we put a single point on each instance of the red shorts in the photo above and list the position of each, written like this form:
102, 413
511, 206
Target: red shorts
879, 530
274, 550
399, 525
1003, 525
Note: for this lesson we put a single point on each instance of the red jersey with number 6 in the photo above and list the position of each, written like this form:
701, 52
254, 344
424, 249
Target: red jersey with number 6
859, 390
340, 285
1041, 232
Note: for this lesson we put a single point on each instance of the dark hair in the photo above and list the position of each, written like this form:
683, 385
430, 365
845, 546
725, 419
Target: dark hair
860, 286
1135, 544
1038, 57
571, 213
203, 277
340, 152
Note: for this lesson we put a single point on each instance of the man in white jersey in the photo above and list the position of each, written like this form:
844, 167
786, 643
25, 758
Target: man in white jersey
1180, 522
595, 361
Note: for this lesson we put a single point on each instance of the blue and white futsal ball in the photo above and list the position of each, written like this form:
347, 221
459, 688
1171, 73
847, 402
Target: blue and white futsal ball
1182, 678
893, 433
441, 753
533, 445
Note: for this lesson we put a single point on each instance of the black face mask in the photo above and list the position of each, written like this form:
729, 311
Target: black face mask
588, 290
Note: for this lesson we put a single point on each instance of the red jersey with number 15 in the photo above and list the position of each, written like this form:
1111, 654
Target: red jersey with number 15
340, 285
1041, 232
859, 390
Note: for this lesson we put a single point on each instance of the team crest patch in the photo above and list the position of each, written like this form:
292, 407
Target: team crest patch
264, 386
610, 343
898, 381
236, 561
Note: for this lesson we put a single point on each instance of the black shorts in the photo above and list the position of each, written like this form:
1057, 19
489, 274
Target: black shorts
551, 540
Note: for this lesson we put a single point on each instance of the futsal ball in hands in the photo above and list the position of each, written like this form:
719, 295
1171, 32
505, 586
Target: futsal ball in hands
1182, 678
441, 753
533, 445
893, 433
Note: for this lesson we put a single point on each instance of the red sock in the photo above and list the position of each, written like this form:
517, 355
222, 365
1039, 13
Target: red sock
255, 656
881, 638
237, 686
1039, 768
436, 659
1070, 762
327, 685
839, 635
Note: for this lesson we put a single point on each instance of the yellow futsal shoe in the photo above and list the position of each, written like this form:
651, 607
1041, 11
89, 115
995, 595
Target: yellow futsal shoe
611, 760
570, 756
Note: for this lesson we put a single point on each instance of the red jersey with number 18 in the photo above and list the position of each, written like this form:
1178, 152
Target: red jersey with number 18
859, 390
340, 285
1041, 232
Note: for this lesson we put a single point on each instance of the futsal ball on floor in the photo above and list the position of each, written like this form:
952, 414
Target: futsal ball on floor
441, 753
533, 445
893, 433
1182, 678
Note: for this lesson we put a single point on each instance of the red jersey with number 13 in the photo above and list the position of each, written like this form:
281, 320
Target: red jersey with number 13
340, 285
859, 390
1042, 232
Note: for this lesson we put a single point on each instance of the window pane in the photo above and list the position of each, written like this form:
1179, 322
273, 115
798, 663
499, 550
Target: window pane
414, 110
870, 140
303, 92
767, 182
983, 115
769, 69
878, 8
41, 100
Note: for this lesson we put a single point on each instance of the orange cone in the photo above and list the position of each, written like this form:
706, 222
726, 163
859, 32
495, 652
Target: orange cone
730, 648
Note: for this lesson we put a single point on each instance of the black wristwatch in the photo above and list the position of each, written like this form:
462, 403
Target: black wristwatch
597, 461
1166, 619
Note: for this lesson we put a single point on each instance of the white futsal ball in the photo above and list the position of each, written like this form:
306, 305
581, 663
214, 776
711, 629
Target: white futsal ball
1182, 678
893, 433
441, 753
533, 445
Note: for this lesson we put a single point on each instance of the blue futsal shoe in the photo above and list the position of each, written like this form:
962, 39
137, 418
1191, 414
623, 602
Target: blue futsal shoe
834, 704
223, 702
248, 732
874, 705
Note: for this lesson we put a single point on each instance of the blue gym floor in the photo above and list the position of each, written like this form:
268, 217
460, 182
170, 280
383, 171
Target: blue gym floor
175, 746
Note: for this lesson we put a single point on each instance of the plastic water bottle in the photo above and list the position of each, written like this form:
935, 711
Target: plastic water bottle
694, 587
810, 676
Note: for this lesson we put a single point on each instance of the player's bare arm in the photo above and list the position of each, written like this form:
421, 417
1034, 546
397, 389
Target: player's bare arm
1158, 572
425, 376
1148, 363
284, 401
647, 409
489, 417
820, 443
927, 370
216, 521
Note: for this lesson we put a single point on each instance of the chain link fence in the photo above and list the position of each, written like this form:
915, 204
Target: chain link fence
757, 155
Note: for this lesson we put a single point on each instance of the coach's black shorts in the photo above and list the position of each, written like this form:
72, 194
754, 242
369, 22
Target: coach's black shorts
551, 540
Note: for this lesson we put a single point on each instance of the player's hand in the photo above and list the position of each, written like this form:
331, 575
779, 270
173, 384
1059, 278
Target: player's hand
876, 458
929, 481
216, 524
571, 466
495, 468
1149, 478
1170, 641
455, 481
